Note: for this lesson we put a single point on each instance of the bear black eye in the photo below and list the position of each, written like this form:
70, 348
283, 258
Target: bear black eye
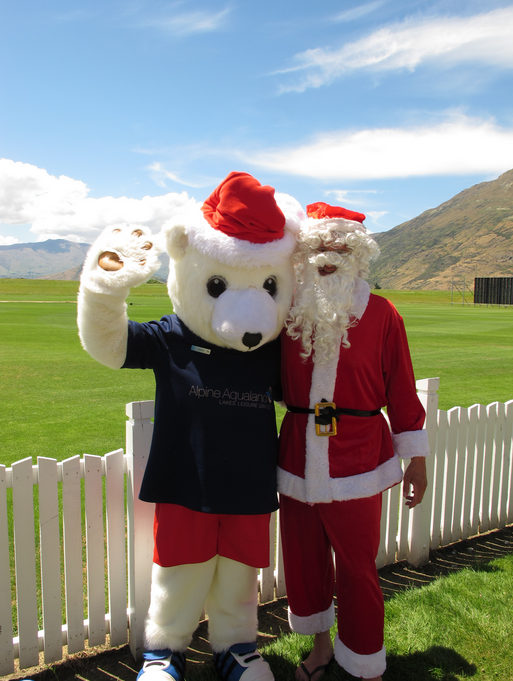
271, 286
216, 286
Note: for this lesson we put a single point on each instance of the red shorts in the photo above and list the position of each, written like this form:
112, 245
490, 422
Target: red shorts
182, 536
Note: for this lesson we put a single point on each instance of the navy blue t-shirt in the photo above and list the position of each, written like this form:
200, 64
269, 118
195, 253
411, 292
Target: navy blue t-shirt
215, 444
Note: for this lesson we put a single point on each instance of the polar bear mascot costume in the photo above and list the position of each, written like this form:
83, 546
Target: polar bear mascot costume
212, 465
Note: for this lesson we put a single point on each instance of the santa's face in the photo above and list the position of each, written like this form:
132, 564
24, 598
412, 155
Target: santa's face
331, 268
324, 260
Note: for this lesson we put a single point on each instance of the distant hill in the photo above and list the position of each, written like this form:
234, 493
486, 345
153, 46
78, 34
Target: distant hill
52, 259
73, 274
470, 235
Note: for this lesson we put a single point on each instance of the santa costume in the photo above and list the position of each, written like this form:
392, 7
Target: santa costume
331, 484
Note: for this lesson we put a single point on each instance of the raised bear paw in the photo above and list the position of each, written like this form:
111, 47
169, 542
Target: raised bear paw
122, 257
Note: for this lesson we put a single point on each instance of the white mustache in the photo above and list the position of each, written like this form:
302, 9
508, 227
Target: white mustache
320, 260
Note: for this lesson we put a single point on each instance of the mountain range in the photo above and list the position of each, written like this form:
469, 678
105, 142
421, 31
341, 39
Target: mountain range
51, 259
471, 235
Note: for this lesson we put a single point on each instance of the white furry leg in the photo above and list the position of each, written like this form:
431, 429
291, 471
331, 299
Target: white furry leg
232, 604
177, 598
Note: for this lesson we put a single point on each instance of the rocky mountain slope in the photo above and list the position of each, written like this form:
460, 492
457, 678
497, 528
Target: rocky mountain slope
471, 235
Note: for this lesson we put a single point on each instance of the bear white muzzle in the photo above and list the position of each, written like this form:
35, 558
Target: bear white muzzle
245, 319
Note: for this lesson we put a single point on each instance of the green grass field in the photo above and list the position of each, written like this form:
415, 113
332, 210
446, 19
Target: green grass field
469, 348
56, 401
459, 627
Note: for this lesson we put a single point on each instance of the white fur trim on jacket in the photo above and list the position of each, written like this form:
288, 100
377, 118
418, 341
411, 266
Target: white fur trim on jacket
361, 666
411, 443
317, 464
238, 252
361, 297
314, 624
359, 486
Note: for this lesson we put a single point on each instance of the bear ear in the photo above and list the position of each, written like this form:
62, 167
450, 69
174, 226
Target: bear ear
176, 241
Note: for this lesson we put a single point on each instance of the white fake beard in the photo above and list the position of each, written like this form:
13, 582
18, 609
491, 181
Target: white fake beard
320, 315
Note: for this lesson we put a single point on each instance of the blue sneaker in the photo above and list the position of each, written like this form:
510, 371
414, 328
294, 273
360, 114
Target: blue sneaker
242, 660
163, 665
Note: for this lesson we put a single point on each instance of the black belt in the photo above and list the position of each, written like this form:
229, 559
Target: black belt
326, 414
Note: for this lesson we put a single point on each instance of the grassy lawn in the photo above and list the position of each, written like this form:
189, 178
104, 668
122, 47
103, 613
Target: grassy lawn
56, 401
457, 627
470, 349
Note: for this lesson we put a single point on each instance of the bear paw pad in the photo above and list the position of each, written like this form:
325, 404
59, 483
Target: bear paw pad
121, 257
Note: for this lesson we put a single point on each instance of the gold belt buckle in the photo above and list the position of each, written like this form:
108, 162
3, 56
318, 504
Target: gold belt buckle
326, 429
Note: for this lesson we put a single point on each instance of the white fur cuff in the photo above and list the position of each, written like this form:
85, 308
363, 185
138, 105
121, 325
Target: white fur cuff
314, 624
411, 443
359, 486
361, 666
361, 296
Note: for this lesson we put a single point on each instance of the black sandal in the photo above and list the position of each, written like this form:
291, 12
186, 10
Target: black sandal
321, 668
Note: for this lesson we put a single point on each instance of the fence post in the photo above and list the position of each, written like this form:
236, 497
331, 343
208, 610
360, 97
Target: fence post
6, 631
139, 430
420, 526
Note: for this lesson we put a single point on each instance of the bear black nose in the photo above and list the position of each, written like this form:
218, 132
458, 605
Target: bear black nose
250, 340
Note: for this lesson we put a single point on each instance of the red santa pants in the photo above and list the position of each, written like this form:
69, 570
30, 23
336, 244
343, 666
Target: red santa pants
352, 528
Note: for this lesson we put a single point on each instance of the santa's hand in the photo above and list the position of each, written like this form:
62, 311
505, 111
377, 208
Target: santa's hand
122, 257
415, 478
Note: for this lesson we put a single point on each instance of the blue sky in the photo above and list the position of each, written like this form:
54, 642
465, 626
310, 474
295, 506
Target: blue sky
110, 109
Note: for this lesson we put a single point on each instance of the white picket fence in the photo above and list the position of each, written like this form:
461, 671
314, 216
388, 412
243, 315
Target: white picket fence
470, 491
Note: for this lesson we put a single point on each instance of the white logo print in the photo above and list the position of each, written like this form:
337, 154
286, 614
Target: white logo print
233, 398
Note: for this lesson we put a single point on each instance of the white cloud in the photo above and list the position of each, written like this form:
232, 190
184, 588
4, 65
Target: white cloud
458, 146
484, 38
8, 240
373, 222
189, 23
59, 207
376, 214
357, 12
159, 175
349, 196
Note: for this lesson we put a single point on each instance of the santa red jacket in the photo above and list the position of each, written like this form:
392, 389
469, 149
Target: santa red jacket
362, 459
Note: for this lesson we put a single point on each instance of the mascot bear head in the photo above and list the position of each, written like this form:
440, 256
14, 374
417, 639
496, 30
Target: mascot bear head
231, 278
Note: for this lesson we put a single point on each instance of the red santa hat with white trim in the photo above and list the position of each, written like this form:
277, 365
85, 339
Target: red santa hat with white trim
243, 223
334, 218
